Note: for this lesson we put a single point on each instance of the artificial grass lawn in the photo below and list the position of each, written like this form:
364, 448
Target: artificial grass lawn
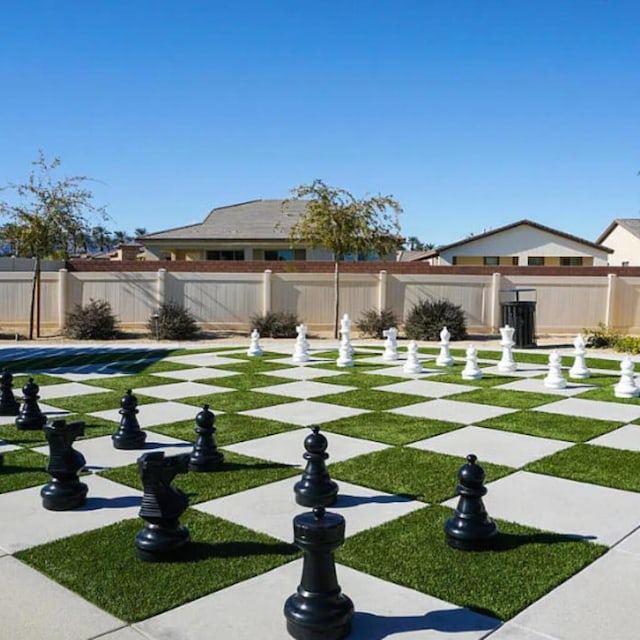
616, 468
371, 399
42, 379
505, 398
551, 425
266, 355
22, 468
238, 473
97, 402
253, 365
357, 379
487, 380
608, 395
524, 564
238, 400
246, 381
422, 475
390, 428
221, 553
133, 382
357, 366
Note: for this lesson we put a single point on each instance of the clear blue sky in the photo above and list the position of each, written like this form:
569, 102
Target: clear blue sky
473, 114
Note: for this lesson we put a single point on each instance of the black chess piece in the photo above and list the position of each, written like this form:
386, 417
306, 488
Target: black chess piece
64, 491
162, 506
318, 610
205, 455
30, 418
470, 528
9, 406
315, 488
129, 435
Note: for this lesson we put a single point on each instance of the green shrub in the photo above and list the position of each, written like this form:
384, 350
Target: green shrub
601, 337
628, 344
94, 321
427, 318
275, 324
174, 322
373, 322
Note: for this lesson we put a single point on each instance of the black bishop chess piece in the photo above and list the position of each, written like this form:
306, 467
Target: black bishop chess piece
315, 488
318, 610
470, 528
30, 418
129, 435
205, 455
64, 491
9, 406
162, 506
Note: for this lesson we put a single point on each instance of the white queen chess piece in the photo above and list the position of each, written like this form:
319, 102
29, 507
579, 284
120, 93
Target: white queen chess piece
555, 379
444, 358
579, 370
412, 364
345, 352
626, 387
471, 370
255, 349
507, 363
301, 349
390, 345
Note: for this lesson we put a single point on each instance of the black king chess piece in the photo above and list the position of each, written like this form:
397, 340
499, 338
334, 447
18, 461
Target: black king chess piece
129, 435
470, 528
205, 455
162, 506
30, 418
9, 406
64, 491
318, 610
315, 488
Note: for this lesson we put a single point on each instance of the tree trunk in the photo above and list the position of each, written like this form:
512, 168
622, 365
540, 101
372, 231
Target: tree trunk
35, 287
336, 297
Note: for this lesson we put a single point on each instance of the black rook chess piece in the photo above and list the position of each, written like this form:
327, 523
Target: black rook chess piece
470, 528
162, 506
205, 455
318, 610
315, 488
9, 406
30, 417
64, 491
129, 435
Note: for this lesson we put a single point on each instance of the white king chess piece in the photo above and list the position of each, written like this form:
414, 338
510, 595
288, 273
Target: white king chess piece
507, 363
444, 358
555, 379
471, 370
345, 352
301, 349
412, 364
626, 387
390, 345
579, 369
255, 349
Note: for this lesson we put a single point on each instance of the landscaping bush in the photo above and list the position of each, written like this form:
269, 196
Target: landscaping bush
94, 321
601, 337
174, 322
427, 318
373, 322
275, 324
628, 344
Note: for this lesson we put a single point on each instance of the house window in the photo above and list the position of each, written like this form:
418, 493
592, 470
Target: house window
515, 261
278, 254
454, 260
571, 261
225, 255
535, 261
491, 261
625, 263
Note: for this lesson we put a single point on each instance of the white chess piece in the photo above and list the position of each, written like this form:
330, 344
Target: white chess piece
579, 370
444, 358
626, 387
390, 345
555, 379
412, 364
507, 363
471, 370
345, 352
301, 349
255, 349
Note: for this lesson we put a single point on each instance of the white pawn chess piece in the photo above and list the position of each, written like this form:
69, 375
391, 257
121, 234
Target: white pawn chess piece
471, 370
626, 387
507, 363
301, 349
345, 330
390, 345
555, 379
412, 364
579, 370
255, 349
444, 358
345, 352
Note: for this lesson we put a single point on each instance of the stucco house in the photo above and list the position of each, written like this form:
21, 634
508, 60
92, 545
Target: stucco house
623, 237
523, 243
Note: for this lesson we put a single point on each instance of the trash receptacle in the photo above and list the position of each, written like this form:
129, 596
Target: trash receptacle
518, 308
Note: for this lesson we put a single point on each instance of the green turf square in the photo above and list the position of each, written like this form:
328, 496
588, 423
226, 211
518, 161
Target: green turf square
422, 475
616, 468
505, 398
359, 379
239, 400
95, 402
266, 355
487, 380
253, 365
390, 428
22, 468
246, 381
221, 554
357, 367
522, 566
371, 399
133, 382
607, 394
602, 363
41, 379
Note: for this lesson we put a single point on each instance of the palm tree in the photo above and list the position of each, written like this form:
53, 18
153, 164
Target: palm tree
120, 237
100, 237
139, 232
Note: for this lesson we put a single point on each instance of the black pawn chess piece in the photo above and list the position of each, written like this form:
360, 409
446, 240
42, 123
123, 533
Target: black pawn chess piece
162, 506
318, 610
470, 528
205, 455
64, 491
315, 488
9, 406
30, 418
129, 435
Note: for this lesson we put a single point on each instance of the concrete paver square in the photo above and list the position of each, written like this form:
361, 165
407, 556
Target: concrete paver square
305, 412
593, 409
453, 411
304, 373
179, 390
626, 437
151, 415
426, 388
68, 389
197, 373
304, 389
202, 359
536, 385
524, 370
428, 369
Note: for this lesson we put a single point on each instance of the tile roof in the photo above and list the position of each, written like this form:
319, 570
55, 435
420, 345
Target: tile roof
632, 225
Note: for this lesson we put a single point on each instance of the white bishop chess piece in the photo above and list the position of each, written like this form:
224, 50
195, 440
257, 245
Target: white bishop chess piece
507, 364
579, 370
412, 365
555, 379
471, 370
301, 349
626, 387
255, 349
390, 345
444, 358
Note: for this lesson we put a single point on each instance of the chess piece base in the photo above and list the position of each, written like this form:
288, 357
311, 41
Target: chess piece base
472, 376
63, 495
10, 410
315, 617
470, 535
157, 543
624, 392
579, 375
560, 383
131, 440
206, 463
30, 424
344, 362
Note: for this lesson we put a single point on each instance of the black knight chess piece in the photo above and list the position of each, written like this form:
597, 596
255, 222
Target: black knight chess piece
64, 491
318, 610
162, 506
205, 455
315, 488
30, 418
470, 528
129, 435
9, 406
